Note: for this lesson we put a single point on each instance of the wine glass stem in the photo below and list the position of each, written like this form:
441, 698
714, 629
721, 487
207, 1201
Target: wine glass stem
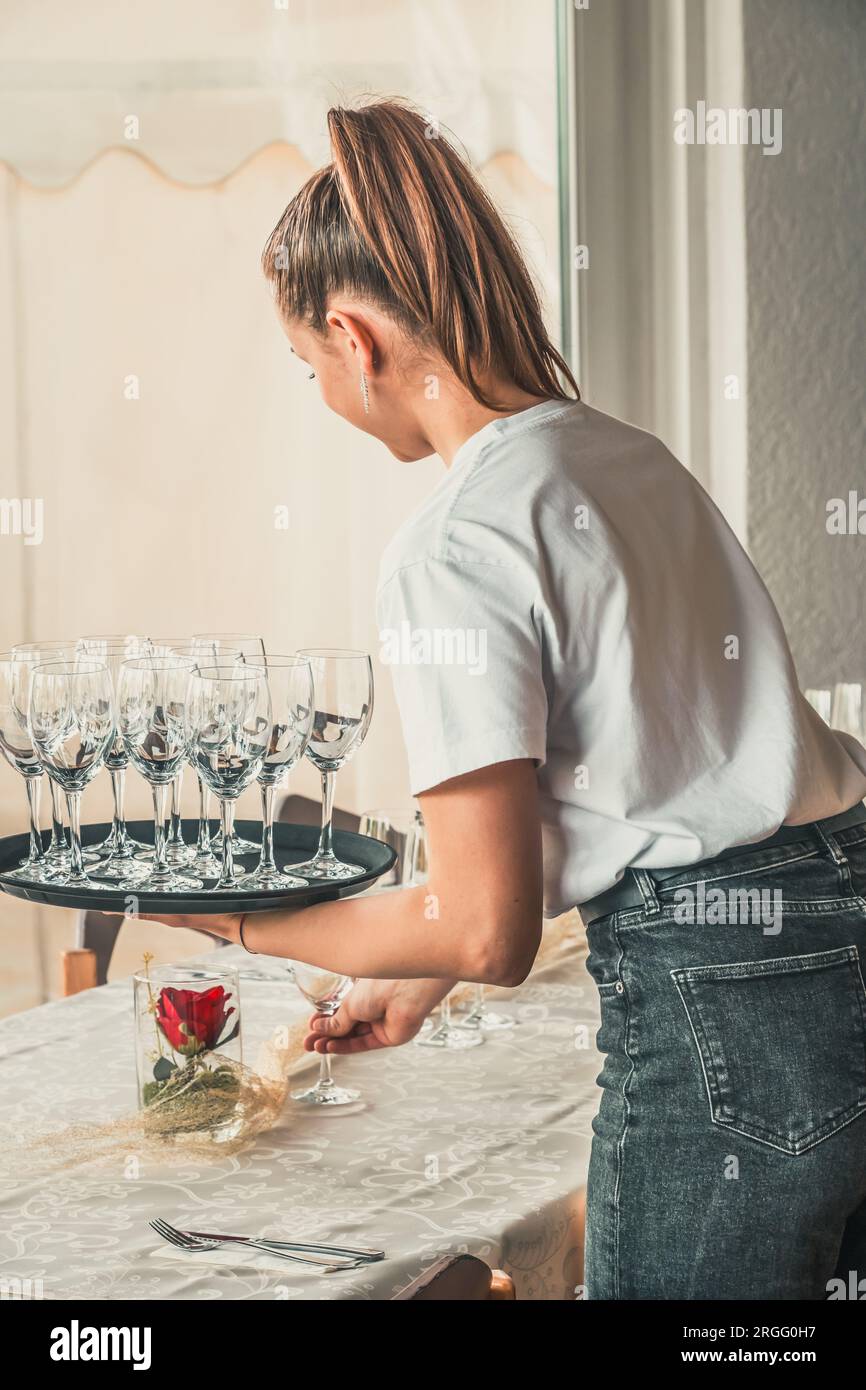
73, 809
325, 1077
58, 836
174, 835
266, 858
445, 1013
160, 796
325, 846
33, 785
203, 824
227, 821
118, 780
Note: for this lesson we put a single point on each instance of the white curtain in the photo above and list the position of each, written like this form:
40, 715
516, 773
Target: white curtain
658, 291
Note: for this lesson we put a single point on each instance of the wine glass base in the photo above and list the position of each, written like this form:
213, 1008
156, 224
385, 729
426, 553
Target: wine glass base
325, 866
451, 1039
146, 883
487, 1022
273, 878
127, 868
85, 881
326, 1095
206, 865
29, 873
178, 858
239, 883
239, 845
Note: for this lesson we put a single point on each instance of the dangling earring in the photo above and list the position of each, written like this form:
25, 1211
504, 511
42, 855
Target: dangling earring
365, 392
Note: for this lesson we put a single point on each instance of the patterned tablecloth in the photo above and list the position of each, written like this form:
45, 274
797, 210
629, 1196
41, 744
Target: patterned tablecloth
484, 1150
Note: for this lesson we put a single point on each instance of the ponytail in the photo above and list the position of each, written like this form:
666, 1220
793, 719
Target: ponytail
399, 218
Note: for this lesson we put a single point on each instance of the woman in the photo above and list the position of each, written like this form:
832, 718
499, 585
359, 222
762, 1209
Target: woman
628, 737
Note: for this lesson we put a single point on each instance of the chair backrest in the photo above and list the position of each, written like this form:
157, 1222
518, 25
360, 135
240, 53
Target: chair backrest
458, 1278
77, 971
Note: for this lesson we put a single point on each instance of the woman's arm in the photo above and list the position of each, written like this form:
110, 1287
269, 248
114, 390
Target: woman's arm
478, 918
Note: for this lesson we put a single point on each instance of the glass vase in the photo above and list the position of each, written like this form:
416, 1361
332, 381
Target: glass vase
188, 1047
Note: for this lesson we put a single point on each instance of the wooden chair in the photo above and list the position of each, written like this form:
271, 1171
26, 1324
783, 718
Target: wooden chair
458, 1278
78, 971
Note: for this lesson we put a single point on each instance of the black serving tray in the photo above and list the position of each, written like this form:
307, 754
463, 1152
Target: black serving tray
292, 845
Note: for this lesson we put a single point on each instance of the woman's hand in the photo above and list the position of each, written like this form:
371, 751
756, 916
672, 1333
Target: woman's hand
224, 924
376, 1013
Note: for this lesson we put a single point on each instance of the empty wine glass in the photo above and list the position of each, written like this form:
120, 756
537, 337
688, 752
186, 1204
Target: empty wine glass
71, 723
151, 706
480, 1017
392, 825
56, 858
343, 708
445, 1033
290, 683
821, 701
177, 852
847, 711
218, 649
119, 847
325, 991
17, 747
228, 724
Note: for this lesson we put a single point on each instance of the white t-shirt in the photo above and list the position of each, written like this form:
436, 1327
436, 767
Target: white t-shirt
569, 593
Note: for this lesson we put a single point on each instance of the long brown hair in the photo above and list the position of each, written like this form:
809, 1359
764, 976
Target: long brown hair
399, 218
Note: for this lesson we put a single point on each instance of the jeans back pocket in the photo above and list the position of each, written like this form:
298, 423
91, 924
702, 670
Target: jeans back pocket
782, 1044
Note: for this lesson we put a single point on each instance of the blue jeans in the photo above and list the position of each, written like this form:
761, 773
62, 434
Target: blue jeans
729, 1151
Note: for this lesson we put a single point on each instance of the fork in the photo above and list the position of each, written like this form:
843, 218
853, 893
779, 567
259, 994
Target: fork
197, 1243
361, 1252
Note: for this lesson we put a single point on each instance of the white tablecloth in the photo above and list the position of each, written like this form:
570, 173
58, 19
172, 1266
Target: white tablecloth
484, 1150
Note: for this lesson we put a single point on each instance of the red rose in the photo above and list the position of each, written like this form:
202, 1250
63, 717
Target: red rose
193, 1020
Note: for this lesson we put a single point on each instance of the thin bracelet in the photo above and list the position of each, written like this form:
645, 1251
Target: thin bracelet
241, 935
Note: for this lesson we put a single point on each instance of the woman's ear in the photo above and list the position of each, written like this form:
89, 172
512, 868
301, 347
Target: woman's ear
355, 335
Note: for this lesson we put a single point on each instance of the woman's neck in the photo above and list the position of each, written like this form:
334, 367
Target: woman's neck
456, 416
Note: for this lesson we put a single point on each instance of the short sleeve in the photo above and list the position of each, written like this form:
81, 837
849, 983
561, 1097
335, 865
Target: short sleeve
462, 644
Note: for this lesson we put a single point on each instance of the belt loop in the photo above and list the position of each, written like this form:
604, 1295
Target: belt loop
647, 889
831, 845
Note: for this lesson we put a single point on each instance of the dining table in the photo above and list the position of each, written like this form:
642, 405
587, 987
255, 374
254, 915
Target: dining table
483, 1150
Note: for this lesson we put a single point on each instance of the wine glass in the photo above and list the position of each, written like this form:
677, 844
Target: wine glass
203, 860
151, 705
217, 649
847, 711
342, 710
290, 682
444, 1033
393, 825
228, 725
119, 847
479, 1016
325, 991
177, 852
821, 701
56, 857
17, 747
71, 723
